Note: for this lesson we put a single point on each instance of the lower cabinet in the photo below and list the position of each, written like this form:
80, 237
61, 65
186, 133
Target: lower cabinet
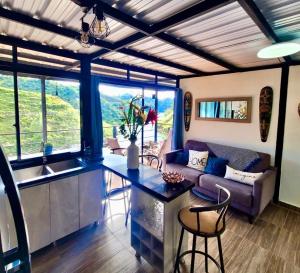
89, 198
64, 207
54, 210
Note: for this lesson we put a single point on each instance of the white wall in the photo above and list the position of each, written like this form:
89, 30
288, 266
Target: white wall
245, 135
290, 172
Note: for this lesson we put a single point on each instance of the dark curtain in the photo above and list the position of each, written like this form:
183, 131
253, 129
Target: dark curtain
96, 119
177, 138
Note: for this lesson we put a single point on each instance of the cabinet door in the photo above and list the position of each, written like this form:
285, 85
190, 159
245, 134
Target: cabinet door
64, 207
90, 197
36, 206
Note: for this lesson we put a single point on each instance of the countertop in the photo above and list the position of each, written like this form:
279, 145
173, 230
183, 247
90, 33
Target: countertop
145, 178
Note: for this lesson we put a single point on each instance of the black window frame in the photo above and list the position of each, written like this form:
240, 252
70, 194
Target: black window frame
16, 68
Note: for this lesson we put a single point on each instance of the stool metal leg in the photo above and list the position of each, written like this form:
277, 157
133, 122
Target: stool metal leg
221, 254
176, 267
206, 257
193, 254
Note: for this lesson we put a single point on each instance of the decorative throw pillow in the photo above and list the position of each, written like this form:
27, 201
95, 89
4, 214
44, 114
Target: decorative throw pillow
197, 160
182, 157
216, 166
244, 177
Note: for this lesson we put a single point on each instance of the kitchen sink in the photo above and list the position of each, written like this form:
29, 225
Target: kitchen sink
30, 173
70, 164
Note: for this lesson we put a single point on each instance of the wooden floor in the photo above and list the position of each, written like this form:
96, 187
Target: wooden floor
271, 245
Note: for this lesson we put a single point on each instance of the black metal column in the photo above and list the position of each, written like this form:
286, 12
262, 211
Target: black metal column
85, 103
16, 96
280, 127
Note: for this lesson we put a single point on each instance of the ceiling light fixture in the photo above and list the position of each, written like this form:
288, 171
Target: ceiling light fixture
84, 38
98, 29
279, 50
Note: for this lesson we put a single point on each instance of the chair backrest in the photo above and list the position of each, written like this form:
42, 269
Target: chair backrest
21, 253
221, 208
114, 145
151, 160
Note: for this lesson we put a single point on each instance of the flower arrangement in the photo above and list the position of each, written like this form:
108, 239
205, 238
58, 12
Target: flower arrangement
135, 118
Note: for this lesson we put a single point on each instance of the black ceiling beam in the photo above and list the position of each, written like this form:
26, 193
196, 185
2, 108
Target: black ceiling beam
188, 14
256, 15
8, 40
157, 29
154, 59
37, 57
194, 50
31, 69
133, 68
246, 69
123, 17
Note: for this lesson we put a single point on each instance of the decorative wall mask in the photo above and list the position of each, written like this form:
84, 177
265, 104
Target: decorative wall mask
187, 109
265, 111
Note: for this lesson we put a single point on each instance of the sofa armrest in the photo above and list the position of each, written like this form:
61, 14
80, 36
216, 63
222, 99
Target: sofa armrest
263, 191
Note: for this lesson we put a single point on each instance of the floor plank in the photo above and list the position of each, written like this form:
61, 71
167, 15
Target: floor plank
270, 245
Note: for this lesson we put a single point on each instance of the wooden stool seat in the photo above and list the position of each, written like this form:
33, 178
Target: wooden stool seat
205, 222
208, 220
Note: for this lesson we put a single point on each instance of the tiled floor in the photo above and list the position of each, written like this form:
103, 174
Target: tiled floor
270, 245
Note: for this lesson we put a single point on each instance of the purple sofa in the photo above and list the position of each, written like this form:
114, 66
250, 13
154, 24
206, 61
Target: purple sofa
246, 198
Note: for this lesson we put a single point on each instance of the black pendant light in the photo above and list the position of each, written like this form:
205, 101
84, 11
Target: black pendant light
99, 28
84, 38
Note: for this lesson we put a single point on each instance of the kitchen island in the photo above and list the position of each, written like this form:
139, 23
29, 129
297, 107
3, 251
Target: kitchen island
155, 229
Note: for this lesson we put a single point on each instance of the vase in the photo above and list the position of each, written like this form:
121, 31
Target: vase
132, 156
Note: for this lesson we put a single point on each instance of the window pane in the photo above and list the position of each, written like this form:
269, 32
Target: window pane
113, 96
7, 115
30, 110
63, 114
165, 113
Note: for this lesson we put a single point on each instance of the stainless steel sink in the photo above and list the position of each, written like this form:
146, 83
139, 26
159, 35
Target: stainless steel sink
70, 164
30, 173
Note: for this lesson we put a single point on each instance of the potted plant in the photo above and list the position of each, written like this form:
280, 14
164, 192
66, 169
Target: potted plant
134, 118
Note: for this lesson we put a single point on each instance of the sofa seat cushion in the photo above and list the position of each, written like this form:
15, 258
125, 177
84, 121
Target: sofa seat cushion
188, 173
240, 193
207, 219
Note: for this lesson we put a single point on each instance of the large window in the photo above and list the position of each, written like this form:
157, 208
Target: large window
48, 113
7, 115
112, 96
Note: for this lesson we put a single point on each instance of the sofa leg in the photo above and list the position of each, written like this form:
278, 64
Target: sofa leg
251, 219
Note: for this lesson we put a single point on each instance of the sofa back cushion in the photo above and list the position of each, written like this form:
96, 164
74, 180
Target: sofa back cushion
238, 158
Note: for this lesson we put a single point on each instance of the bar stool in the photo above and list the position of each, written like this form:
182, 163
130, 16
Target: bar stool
205, 222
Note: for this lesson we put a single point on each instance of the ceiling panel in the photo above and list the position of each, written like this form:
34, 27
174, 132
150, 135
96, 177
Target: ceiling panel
227, 32
284, 18
123, 58
169, 52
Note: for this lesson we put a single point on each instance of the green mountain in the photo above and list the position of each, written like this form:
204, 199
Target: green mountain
60, 116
